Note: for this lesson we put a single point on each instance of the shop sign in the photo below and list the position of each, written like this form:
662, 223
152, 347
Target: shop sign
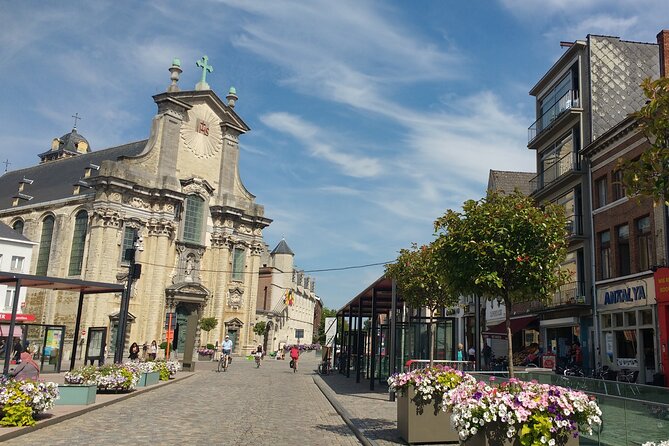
609, 345
19, 317
661, 277
494, 310
627, 362
627, 294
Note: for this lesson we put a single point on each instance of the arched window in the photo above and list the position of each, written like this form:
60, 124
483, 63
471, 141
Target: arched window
18, 226
78, 241
45, 246
193, 219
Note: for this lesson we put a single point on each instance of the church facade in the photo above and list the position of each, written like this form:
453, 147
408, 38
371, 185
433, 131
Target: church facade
178, 193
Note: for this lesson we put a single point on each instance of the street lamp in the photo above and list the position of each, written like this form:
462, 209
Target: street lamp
134, 271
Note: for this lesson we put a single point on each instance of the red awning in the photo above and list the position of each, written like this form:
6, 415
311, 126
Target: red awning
517, 324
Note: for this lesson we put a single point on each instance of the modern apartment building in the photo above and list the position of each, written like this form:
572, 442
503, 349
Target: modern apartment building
591, 88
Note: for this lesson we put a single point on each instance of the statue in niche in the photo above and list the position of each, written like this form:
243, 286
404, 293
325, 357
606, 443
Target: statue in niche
190, 264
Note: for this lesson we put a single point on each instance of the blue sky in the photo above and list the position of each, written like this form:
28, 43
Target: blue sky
369, 119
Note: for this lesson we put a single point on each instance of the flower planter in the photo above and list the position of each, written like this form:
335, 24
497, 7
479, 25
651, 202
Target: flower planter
76, 394
426, 427
204, 357
495, 435
148, 379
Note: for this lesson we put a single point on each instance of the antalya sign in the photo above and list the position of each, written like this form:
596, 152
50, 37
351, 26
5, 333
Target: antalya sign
627, 294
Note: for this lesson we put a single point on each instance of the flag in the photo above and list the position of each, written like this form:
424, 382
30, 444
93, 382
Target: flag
288, 298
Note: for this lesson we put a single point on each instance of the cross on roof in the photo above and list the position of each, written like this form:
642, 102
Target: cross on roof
76, 118
202, 63
6, 163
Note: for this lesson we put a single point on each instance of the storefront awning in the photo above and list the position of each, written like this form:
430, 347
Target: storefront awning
499, 330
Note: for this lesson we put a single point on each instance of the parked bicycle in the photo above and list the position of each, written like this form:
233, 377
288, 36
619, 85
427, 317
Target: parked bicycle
324, 367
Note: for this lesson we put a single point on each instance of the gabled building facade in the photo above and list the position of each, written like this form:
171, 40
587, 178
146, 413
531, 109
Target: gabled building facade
16, 253
287, 300
180, 191
590, 89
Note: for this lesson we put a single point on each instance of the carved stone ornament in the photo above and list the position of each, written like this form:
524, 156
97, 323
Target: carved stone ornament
115, 197
107, 217
138, 203
162, 227
201, 132
235, 297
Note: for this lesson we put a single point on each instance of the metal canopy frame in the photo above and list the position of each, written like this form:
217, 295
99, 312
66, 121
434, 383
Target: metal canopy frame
379, 298
51, 283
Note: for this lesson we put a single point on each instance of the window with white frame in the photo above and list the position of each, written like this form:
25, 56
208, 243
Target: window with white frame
9, 297
17, 263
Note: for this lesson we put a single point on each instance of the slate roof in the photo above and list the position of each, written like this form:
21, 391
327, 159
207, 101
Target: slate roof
55, 180
505, 181
6, 232
282, 248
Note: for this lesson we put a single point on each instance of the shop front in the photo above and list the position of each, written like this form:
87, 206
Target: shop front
628, 341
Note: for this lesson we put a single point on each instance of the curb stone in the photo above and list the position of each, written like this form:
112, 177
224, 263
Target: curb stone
343, 413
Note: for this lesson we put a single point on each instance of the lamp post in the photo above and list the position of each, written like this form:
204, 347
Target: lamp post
134, 271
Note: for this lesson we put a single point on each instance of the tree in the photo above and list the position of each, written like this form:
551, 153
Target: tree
505, 247
260, 328
208, 323
649, 174
421, 283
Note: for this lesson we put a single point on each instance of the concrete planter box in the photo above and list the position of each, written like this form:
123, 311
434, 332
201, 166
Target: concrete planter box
148, 379
204, 357
496, 436
76, 395
427, 427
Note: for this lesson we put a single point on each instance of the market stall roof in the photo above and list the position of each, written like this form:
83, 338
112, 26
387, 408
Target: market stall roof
517, 324
58, 283
382, 289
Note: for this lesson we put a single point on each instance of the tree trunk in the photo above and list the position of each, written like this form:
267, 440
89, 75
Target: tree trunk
509, 337
432, 337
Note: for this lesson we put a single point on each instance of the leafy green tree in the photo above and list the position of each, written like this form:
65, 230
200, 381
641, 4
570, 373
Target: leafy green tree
649, 174
421, 283
208, 323
505, 247
260, 328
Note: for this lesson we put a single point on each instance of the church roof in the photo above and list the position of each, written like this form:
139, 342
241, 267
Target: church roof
6, 232
282, 248
56, 179
507, 182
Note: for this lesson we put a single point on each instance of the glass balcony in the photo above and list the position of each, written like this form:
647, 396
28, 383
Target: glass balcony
551, 173
567, 101
574, 225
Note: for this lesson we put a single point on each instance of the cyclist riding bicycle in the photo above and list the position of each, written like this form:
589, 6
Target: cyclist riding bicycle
226, 349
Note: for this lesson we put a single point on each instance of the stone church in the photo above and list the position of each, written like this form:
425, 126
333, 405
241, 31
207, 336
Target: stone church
180, 191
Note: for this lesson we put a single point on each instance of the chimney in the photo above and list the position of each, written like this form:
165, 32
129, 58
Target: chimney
663, 42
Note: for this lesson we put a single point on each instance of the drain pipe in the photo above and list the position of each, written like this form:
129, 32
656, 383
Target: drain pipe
593, 286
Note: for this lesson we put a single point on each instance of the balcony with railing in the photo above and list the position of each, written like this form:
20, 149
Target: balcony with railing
574, 225
566, 102
566, 164
572, 293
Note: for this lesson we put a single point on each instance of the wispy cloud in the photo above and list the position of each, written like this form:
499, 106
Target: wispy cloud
313, 139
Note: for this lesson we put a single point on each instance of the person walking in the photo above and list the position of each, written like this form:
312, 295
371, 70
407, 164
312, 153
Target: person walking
461, 353
18, 349
471, 353
28, 369
134, 352
487, 356
294, 356
153, 350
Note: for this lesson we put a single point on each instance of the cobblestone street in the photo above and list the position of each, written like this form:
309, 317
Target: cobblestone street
244, 406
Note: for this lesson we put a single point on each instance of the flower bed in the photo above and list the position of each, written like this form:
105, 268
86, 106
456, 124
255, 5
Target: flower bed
21, 400
536, 414
167, 368
205, 351
109, 378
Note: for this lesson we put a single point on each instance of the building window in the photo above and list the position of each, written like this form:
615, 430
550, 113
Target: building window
18, 226
623, 250
299, 333
617, 185
45, 246
558, 160
17, 264
601, 189
605, 254
626, 343
556, 101
193, 219
9, 297
129, 236
238, 264
78, 241
644, 243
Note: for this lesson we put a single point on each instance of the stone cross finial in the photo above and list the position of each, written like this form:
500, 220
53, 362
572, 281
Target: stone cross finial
76, 118
202, 63
6, 163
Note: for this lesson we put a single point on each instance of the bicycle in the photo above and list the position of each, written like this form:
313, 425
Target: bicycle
223, 362
324, 367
